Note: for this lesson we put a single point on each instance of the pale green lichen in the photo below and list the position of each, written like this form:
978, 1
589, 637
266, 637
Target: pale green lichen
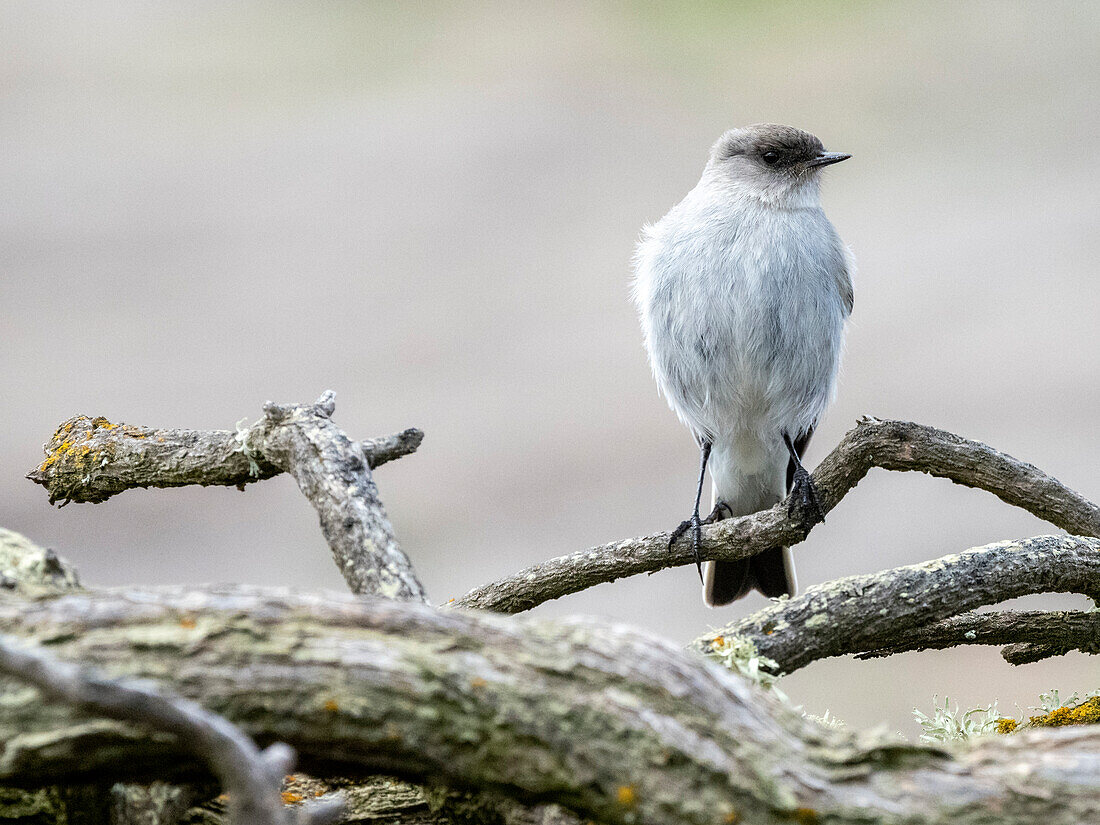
947, 724
741, 656
953, 724
817, 620
241, 436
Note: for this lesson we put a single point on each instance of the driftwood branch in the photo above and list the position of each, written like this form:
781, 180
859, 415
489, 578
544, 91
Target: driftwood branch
251, 777
91, 459
891, 445
883, 611
610, 722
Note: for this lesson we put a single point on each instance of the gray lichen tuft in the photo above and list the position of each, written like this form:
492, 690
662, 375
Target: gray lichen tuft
29, 570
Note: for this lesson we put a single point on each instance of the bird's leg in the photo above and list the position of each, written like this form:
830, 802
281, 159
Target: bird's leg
803, 503
695, 524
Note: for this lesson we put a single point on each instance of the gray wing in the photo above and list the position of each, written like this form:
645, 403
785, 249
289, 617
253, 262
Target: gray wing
844, 280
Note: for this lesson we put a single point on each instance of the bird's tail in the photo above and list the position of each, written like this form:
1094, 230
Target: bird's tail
770, 572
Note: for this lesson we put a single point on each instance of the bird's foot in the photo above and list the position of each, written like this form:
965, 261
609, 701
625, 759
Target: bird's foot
695, 525
803, 503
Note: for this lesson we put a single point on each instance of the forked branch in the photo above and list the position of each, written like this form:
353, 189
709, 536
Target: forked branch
91, 459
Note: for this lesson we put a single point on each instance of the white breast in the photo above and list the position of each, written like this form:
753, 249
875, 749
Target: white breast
742, 314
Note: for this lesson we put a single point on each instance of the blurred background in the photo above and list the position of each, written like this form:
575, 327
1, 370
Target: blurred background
431, 209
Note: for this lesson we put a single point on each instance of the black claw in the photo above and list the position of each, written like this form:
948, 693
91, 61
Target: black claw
695, 524
803, 502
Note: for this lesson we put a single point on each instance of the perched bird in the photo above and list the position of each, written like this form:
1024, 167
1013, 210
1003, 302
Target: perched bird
743, 290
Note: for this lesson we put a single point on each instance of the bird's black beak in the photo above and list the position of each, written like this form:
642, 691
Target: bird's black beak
827, 159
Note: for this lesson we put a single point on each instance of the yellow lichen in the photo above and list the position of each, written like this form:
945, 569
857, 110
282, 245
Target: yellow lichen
331, 705
627, 796
731, 818
1006, 725
1086, 713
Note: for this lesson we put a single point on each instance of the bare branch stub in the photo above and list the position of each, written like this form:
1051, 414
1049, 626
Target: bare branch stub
891, 445
252, 778
92, 459
617, 725
88, 460
881, 611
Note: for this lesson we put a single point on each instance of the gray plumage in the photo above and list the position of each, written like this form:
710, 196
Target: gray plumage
743, 290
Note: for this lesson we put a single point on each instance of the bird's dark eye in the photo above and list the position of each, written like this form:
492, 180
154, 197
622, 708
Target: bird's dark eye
770, 157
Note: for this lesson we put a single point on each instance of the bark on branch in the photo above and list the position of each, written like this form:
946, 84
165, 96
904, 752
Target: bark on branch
615, 724
887, 612
251, 778
1029, 635
91, 459
891, 445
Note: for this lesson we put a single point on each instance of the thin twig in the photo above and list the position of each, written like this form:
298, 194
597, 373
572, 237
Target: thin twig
891, 445
251, 777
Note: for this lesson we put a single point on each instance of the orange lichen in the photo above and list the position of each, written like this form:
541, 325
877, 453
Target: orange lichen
627, 796
1086, 713
1006, 725
188, 622
331, 705
805, 816
731, 818
478, 682
291, 798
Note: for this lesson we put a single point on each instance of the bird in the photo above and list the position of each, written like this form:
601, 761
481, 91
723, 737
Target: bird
743, 291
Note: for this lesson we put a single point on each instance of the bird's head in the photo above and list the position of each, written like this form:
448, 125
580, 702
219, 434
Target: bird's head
778, 164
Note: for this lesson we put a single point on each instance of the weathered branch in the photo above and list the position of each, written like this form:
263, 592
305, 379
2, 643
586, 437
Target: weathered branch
91, 459
252, 778
891, 445
879, 611
1055, 632
617, 725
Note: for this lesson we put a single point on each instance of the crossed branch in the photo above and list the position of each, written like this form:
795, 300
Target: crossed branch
481, 677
